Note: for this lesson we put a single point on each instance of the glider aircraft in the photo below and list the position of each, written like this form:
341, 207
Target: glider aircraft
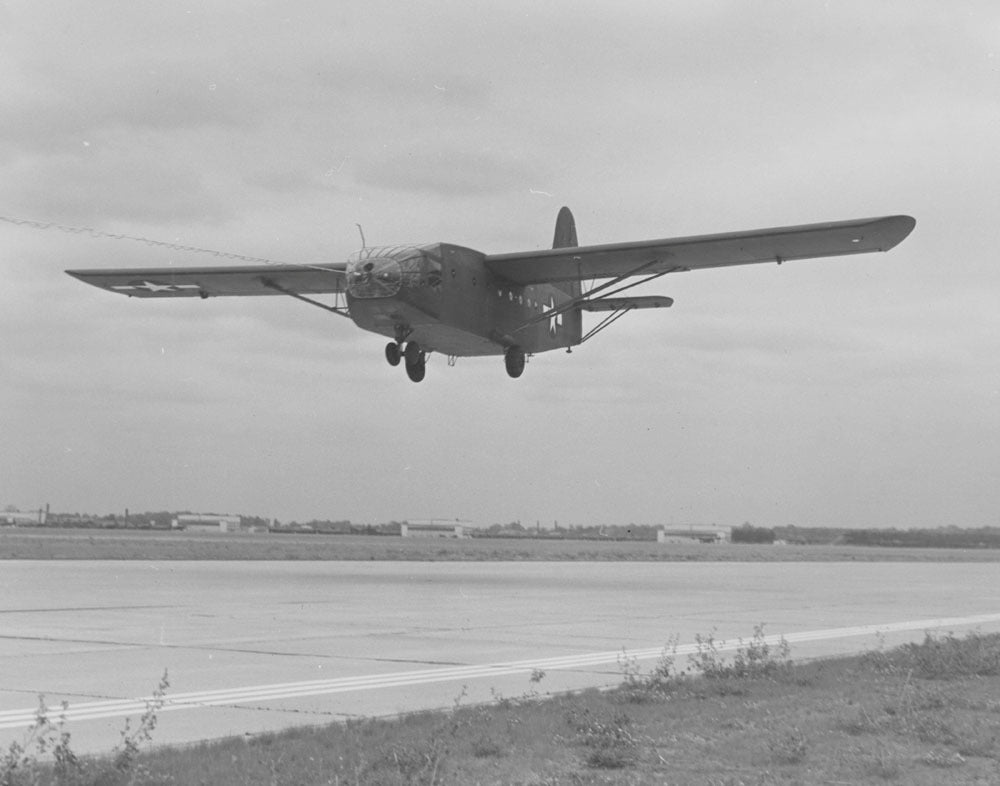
460, 302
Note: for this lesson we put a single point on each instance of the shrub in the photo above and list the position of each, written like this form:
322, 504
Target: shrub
27, 762
752, 660
638, 687
946, 657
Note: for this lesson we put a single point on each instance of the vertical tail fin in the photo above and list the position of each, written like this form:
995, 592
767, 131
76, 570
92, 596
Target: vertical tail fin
565, 236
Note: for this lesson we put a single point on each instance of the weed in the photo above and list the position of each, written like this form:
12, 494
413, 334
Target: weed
421, 761
707, 660
503, 702
931, 729
883, 764
610, 742
982, 746
789, 747
878, 660
127, 750
416, 764
948, 657
629, 666
20, 762
536, 677
759, 659
752, 660
608, 738
485, 746
638, 687
45, 754
633, 687
664, 673
861, 723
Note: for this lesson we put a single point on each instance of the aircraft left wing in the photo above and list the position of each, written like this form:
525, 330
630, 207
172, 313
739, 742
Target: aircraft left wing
670, 255
218, 281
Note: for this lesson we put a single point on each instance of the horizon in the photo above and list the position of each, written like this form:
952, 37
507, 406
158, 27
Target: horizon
130, 515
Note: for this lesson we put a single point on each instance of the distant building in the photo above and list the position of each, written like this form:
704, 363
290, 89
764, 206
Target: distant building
436, 528
207, 522
699, 533
12, 517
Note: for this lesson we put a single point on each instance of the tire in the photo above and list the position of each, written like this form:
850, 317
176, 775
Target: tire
416, 371
514, 360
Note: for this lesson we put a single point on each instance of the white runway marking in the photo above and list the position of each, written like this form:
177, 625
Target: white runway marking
13, 719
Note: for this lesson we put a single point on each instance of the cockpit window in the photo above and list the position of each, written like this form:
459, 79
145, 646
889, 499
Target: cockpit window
383, 271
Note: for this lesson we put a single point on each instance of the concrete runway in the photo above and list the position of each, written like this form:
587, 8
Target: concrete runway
256, 646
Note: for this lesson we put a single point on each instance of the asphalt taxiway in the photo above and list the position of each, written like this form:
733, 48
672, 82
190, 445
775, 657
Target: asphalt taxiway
256, 646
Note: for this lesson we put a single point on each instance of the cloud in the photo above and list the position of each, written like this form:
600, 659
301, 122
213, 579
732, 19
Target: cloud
101, 186
451, 173
289, 182
98, 101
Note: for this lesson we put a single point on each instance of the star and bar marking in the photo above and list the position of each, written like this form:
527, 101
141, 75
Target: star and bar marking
555, 320
153, 287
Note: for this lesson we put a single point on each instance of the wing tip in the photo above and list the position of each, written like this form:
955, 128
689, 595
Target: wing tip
899, 228
79, 275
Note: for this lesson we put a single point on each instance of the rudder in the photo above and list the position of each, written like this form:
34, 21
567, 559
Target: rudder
565, 236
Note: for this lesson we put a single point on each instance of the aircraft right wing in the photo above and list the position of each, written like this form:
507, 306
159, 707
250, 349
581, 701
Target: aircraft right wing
648, 257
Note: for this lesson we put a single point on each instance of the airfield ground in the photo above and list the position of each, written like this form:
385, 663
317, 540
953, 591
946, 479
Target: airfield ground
920, 714
90, 544
913, 716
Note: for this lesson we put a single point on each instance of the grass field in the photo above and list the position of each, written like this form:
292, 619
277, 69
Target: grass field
91, 544
920, 714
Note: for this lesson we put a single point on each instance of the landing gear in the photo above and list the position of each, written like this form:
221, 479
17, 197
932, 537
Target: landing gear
514, 361
416, 373
416, 361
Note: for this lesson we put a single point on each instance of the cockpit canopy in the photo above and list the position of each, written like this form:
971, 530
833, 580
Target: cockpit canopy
382, 271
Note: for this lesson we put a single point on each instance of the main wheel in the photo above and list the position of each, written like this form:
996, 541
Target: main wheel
417, 370
413, 353
416, 361
513, 359
392, 353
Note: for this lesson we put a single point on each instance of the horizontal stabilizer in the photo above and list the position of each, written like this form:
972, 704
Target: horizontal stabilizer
620, 303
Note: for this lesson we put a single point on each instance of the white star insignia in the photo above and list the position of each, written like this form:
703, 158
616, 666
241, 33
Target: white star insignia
152, 286
555, 320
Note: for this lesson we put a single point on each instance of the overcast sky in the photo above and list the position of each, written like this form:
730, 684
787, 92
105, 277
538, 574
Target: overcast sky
862, 391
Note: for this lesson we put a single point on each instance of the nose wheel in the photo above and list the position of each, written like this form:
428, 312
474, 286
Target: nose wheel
393, 354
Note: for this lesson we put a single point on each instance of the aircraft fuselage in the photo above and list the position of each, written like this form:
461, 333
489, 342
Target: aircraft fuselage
445, 298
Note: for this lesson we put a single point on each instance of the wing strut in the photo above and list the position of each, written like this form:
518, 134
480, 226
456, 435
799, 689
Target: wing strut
619, 307
581, 301
614, 316
336, 308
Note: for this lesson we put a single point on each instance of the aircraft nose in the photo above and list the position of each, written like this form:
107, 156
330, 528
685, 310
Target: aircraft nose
374, 277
